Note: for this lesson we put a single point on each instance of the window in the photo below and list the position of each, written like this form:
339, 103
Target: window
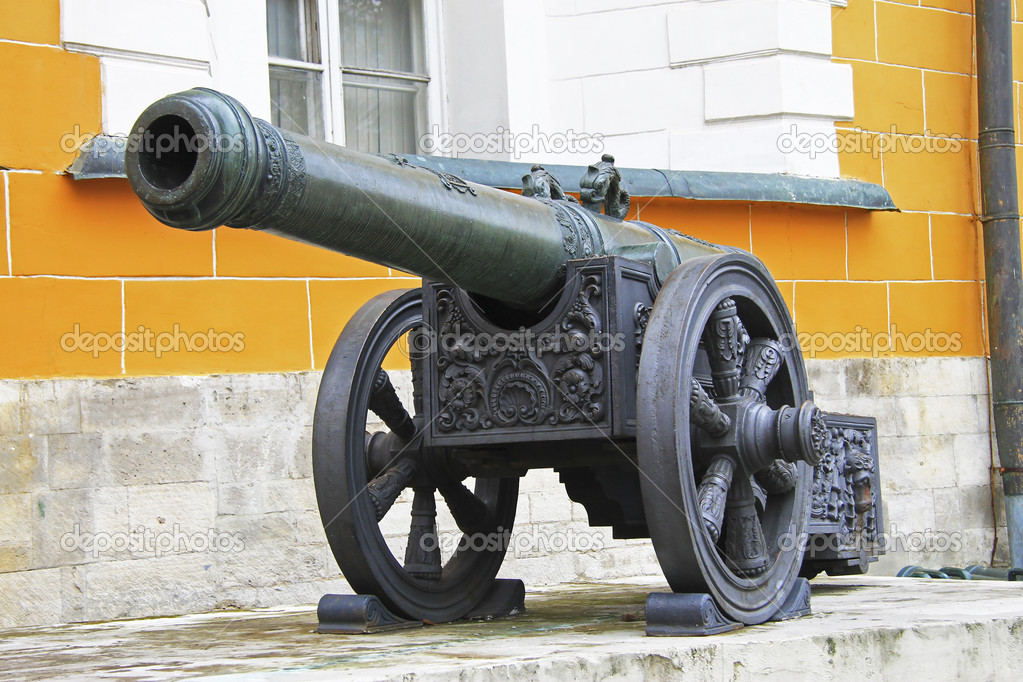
351, 72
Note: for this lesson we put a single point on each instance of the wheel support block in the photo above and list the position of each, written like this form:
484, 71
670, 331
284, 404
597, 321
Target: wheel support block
670, 614
357, 614
364, 614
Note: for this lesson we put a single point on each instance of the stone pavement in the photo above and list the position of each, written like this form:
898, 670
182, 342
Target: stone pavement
863, 627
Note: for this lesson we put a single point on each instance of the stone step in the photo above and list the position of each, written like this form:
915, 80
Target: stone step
862, 627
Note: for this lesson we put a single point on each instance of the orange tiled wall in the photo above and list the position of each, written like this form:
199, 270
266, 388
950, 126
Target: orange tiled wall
847, 273
914, 132
86, 254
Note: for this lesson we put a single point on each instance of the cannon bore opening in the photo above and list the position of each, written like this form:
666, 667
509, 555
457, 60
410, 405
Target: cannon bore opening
169, 152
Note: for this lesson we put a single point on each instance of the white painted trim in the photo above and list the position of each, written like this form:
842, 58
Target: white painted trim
309, 313
436, 65
333, 94
123, 324
295, 64
7, 219
845, 228
22, 42
930, 241
753, 54
141, 57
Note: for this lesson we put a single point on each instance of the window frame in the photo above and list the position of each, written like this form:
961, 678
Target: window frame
427, 38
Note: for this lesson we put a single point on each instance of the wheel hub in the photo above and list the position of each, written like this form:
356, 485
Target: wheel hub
758, 435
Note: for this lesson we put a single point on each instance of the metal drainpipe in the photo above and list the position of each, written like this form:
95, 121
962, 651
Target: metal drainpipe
1002, 267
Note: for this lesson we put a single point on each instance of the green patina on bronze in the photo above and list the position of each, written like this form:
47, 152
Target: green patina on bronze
199, 160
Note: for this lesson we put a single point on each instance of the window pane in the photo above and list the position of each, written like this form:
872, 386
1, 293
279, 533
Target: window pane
377, 34
380, 114
291, 30
296, 101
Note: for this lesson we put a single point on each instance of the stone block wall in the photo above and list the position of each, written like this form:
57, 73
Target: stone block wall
936, 454
155, 496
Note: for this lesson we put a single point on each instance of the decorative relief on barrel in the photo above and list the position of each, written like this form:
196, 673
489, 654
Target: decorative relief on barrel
580, 239
274, 167
541, 184
601, 187
284, 180
454, 182
449, 180
296, 178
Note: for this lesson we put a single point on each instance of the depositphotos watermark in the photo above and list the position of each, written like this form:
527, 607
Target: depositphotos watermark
425, 340
504, 141
521, 543
178, 139
145, 340
859, 141
145, 541
927, 540
862, 340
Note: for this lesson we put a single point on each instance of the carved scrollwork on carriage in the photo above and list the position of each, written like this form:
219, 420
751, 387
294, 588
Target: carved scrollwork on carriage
495, 379
845, 510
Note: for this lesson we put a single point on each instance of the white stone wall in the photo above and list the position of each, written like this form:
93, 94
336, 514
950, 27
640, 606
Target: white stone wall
682, 85
228, 457
685, 85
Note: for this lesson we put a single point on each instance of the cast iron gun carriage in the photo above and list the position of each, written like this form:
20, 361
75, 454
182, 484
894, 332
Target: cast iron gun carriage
657, 373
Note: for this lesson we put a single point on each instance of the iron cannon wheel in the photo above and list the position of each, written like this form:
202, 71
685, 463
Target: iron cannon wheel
704, 300
422, 587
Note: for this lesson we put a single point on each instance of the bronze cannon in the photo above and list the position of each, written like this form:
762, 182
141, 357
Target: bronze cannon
657, 373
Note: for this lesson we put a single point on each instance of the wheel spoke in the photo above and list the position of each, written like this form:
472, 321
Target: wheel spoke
422, 555
470, 512
385, 488
714, 494
763, 360
384, 403
705, 413
420, 581
725, 339
759, 494
745, 546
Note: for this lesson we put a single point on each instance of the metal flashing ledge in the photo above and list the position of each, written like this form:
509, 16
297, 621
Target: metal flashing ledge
103, 157
699, 185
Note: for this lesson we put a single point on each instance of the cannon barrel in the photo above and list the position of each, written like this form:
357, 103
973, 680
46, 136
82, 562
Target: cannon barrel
198, 159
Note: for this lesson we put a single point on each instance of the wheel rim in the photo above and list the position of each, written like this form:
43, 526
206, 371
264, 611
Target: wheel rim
689, 490
347, 480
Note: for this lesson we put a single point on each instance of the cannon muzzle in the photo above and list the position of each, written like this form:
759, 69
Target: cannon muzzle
198, 159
